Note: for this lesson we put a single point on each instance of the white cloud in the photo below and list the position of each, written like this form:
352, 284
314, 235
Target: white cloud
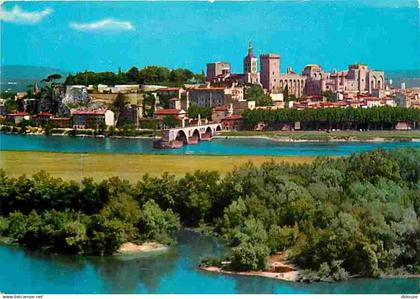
106, 24
18, 15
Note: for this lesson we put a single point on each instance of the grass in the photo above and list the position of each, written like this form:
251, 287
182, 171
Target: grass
323, 135
127, 166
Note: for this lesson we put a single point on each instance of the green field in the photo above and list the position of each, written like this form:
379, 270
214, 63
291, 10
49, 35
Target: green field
323, 135
127, 166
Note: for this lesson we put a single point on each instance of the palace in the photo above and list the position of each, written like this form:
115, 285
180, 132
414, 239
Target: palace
313, 81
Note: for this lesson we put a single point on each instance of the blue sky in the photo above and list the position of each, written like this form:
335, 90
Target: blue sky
107, 35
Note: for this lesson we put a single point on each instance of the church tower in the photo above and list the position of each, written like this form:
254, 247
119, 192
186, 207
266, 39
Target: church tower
250, 62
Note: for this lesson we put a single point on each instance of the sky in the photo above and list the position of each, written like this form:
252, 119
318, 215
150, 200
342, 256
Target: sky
77, 36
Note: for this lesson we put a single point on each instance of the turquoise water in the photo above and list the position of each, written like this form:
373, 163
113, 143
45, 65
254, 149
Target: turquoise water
174, 271
218, 146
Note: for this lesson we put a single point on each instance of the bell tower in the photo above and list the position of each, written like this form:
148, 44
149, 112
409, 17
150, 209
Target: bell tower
250, 62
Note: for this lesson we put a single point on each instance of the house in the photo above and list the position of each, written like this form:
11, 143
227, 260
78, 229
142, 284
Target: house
177, 113
220, 112
209, 96
61, 122
131, 114
232, 122
41, 119
17, 117
92, 118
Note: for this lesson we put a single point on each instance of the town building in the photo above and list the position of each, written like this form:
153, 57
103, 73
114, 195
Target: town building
17, 117
250, 73
214, 96
357, 79
41, 119
131, 114
92, 118
61, 122
220, 112
215, 69
275, 82
160, 114
232, 122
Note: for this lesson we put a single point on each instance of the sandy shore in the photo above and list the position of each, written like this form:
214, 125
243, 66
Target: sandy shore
277, 268
287, 276
129, 247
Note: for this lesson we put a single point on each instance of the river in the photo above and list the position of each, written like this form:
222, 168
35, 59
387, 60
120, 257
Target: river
218, 146
174, 271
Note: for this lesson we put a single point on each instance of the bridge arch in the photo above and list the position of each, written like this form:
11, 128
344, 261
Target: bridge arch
209, 131
181, 136
196, 134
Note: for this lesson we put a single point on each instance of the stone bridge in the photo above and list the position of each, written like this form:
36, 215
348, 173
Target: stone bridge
191, 134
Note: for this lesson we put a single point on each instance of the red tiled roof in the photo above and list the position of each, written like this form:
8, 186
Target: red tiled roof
168, 112
44, 114
169, 89
88, 112
19, 113
232, 117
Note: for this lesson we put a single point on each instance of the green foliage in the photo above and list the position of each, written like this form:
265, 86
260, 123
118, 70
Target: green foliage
249, 257
256, 93
194, 111
119, 103
157, 225
170, 121
211, 261
330, 95
147, 75
334, 118
10, 105
357, 215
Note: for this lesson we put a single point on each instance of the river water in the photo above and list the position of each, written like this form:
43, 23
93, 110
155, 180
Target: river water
218, 146
174, 271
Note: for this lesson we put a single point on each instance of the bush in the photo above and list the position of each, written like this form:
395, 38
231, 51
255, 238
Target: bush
211, 261
249, 257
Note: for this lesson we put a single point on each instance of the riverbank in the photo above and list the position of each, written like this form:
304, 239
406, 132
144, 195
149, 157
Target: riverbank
277, 268
127, 166
338, 136
131, 248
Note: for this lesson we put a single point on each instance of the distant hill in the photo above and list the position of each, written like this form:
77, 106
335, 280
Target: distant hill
18, 77
410, 77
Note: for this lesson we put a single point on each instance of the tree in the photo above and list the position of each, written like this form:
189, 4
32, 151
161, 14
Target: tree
133, 74
194, 111
330, 95
256, 93
156, 224
170, 121
249, 257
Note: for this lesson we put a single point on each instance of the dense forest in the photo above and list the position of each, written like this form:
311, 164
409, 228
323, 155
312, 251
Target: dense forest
336, 217
146, 75
334, 118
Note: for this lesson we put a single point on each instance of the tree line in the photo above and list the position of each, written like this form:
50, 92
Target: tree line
334, 118
146, 75
336, 217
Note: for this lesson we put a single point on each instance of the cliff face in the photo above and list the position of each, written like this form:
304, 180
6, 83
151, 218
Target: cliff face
76, 96
51, 100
